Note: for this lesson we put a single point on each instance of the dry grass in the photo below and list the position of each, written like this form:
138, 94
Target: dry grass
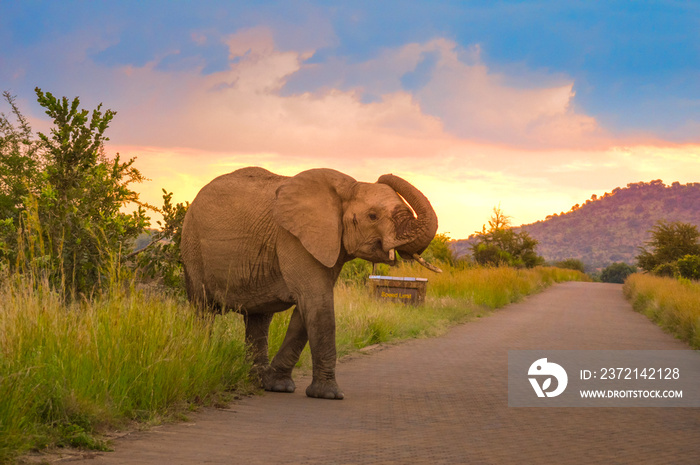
671, 303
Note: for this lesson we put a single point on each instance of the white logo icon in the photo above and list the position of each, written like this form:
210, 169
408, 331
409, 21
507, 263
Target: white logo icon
544, 368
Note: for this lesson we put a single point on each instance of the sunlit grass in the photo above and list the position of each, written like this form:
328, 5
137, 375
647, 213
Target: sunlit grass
69, 371
671, 303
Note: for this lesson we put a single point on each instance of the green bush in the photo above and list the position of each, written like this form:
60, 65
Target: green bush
670, 242
571, 264
61, 197
439, 250
160, 258
491, 254
616, 273
689, 267
666, 270
500, 245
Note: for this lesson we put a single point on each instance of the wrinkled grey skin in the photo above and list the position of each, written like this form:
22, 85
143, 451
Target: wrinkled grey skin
258, 243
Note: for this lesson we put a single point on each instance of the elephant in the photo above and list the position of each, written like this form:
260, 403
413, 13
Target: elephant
258, 243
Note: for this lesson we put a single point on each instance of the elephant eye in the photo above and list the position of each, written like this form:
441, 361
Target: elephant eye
373, 216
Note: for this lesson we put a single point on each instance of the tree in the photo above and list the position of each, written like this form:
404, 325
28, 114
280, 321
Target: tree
439, 250
19, 174
500, 245
616, 273
669, 243
161, 257
571, 264
64, 195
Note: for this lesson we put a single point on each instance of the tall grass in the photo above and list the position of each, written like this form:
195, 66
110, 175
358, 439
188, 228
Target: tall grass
68, 371
671, 303
71, 369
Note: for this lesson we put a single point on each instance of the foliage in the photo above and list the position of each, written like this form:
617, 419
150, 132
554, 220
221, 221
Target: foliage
667, 270
689, 267
501, 245
68, 370
358, 271
571, 264
671, 303
161, 257
19, 162
669, 243
609, 228
616, 273
439, 250
61, 196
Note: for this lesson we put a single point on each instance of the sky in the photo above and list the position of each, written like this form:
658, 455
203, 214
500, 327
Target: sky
532, 106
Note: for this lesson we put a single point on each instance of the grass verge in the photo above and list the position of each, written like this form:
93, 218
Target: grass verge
671, 303
71, 371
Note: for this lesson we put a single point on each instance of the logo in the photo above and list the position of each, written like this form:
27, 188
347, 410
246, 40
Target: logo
544, 368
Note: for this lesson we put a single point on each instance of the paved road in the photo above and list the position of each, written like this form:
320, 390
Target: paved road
444, 400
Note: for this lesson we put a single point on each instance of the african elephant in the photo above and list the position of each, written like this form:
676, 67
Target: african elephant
258, 243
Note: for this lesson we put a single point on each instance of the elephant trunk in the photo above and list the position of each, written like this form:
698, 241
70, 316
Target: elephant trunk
419, 231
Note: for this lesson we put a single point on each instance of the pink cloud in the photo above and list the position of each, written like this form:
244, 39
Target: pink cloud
469, 138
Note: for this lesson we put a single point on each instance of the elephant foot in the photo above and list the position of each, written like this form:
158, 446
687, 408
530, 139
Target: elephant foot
324, 390
277, 382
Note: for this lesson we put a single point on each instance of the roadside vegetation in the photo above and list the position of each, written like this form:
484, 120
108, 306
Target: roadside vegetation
674, 304
672, 251
499, 244
71, 370
95, 336
617, 272
668, 292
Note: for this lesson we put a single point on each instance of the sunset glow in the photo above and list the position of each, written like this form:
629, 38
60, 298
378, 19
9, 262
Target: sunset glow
534, 124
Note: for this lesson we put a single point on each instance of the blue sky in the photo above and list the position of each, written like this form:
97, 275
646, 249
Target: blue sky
487, 89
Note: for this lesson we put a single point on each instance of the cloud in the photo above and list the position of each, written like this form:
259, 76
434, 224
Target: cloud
473, 102
248, 107
432, 112
241, 110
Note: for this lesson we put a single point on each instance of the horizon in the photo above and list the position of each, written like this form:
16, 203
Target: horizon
531, 106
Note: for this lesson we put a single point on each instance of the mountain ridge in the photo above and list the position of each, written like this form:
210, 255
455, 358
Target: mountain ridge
609, 228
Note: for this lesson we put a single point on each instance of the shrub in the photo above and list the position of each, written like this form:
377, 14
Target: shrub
160, 258
689, 267
666, 270
616, 273
669, 243
62, 197
439, 250
501, 245
571, 264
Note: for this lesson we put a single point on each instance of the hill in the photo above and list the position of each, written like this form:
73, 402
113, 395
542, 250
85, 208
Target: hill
612, 227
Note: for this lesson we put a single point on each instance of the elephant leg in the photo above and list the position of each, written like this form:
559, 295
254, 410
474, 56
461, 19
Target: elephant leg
279, 377
257, 327
311, 285
321, 330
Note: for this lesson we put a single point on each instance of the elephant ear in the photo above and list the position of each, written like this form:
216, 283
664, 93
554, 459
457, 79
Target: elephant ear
308, 206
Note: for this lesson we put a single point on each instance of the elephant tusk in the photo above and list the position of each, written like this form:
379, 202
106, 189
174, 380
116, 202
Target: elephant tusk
429, 266
392, 255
